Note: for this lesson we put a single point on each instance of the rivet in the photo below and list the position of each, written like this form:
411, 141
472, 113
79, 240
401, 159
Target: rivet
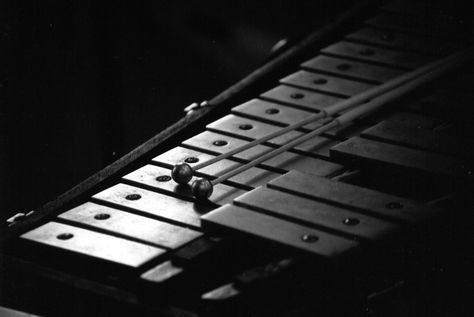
272, 111
64, 236
163, 178
309, 238
344, 66
245, 126
367, 52
387, 37
133, 197
297, 95
191, 159
351, 221
102, 216
320, 81
394, 205
219, 143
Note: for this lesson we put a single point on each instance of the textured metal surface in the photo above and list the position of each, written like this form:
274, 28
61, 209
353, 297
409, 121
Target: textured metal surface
130, 225
300, 98
424, 139
222, 292
7, 312
284, 161
348, 130
154, 204
415, 8
351, 69
371, 152
363, 199
446, 104
159, 179
198, 250
318, 146
376, 54
162, 272
250, 129
281, 231
429, 46
416, 120
252, 177
192, 157
275, 113
316, 213
442, 125
325, 83
256, 129
447, 29
94, 244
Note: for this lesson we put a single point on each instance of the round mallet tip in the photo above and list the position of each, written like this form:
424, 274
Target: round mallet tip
182, 173
202, 188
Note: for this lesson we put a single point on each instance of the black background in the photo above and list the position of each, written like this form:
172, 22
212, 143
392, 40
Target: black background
84, 82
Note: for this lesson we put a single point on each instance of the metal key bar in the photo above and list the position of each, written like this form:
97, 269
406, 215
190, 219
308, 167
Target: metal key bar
94, 244
263, 226
218, 144
299, 98
376, 153
232, 124
149, 203
370, 201
316, 213
325, 83
428, 140
351, 69
400, 41
158, 178
129, 225
252, 178
378, 55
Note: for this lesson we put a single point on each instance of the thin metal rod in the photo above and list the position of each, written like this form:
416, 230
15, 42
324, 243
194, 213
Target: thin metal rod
270, 154
364, 109
375, 104
335, 108
253, 143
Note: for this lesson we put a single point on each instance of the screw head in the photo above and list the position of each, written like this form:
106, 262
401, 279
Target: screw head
320, 81
272, 111
65, 236
344, 66
367, 52
387, 37
219, 143
245, 126
191, 159
102, 216
394, 205
133, 197
351, 221
309, 238
163, 178
297, 95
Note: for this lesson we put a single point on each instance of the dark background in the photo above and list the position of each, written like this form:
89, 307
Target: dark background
84, 82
